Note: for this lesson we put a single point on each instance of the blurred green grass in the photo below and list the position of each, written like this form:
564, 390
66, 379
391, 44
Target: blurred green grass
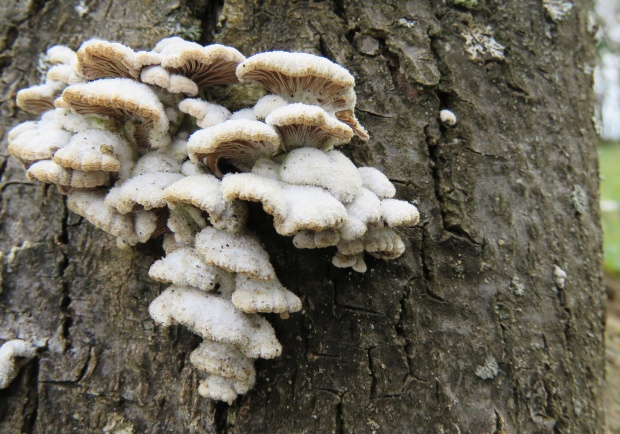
609, 154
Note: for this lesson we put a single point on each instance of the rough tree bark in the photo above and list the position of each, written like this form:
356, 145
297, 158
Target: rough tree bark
468, 332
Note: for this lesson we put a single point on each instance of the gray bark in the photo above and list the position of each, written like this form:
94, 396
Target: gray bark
507, 195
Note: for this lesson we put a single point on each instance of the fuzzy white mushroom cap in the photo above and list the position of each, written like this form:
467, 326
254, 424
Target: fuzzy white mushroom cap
173, 83
316, 240
90, 205
306, 78
225, 361
37, 99
447, 117
237, 253
332, 171
206, 66
241, 142
119, 98
294, 207
215, 319
11, 354
183, 267
221, 389
303, 125
244, 114
383, 243
145, 190
375, 181
104, 59
64, 73
362, 211
61, 55
204, 192
38, 143
293, 65
49, 172
266, 296
94, 149
399, 213
156, 162
267, 104
207, 114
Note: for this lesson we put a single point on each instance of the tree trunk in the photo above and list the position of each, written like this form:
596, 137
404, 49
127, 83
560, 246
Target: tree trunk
472, 330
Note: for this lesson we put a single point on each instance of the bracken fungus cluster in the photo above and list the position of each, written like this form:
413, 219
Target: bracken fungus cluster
128, 139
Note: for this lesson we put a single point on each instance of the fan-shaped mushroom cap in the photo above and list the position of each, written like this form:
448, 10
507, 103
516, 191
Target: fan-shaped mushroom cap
95, 149
294, 207
90, 205
38, 143
237, 253
316, 240
49, 172
10, 352
267, 167
191, 169
207, 114
302, 125
287, 74
399, 213
152, 162
103, 59
354, 261
206, 66
64, 74
255, 188
37, 99
74, 122
21, 128
309, 208
330, 170
243, 114
215, 319
223, 360
365, 209
383, 243
306, 78
375, 181
240, 142
265, 296
120, 98
221, 389
204, 192
146, 190
173, 83
352, 247
183, 267
267, 104
59, 54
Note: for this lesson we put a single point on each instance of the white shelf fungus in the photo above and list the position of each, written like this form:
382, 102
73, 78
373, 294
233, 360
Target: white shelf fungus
302, 125
140, 161
215, 319
38, 99
267, 296
12, 356
237, 253
183, 267
238, 142
306, 78
121, 98
329, 170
